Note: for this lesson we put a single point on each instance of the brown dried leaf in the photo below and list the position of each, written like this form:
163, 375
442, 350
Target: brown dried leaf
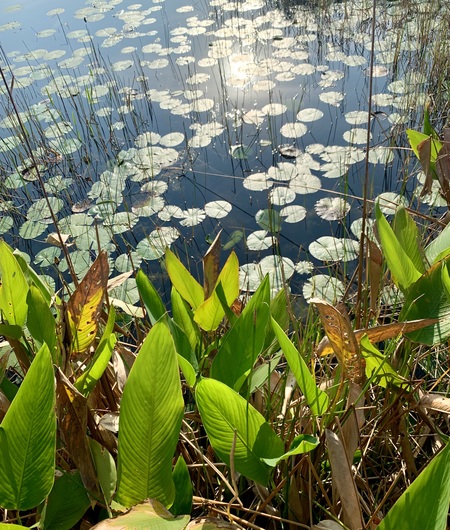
211, 262
355, 421
118, 280
342, 339
84, 306
343, 481
380, 333
435, 402
424, 150
53, 239
72, 419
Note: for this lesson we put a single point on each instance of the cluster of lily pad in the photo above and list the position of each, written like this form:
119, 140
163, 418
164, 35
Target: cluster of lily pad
239, 82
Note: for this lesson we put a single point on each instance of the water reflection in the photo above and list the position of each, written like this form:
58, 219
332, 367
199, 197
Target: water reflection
161, 125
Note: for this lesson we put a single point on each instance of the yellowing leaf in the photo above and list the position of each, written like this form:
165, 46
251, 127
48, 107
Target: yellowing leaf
85, 304
342, 339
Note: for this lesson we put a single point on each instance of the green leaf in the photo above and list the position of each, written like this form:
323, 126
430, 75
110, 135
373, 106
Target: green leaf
378, 368
150, 420
150, 515
407, 233
89, 378
229, 420
317, 399
402, 268
184, 318
188, 370
425, 502
210, 313
27, 447
40, 321
427, 299
244, 342
13, 288
439, 246
415, 138
304, 443
36, 280
183, 486
67, 502
150, 296
181, 279
106, 469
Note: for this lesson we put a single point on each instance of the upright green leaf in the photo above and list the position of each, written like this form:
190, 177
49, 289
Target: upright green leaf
183, 281
28, 438
106, 469
40, 321
425, 502
150, 296
13, 288
415, 138
378, 368
439, 247
183, 486
150, 420
407, 233
67, 502
210, 313
402, 268
427, 299
317, 399
231, 422
184, 317
244, 342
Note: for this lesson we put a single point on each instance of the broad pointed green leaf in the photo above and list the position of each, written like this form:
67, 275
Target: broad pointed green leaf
67, 502
427, 299
183, 281
304, 443
183, 486
150, 421
415, 138
402, 268
210, 313
425, 502
184, 317
150, 296
244, 342
40, 321
407, 233
317, 399
230, 421
106, 469
13, 288
28, 438
439, 248
378, 368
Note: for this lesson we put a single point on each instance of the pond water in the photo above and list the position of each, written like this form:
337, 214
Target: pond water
163, 123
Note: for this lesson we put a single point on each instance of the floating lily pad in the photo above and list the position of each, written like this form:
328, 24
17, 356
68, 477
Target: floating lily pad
328, 248
332, 208
322, 286
293, 213
217, 209
390, 201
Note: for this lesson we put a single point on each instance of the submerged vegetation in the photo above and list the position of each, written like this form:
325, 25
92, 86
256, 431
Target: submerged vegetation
259, 143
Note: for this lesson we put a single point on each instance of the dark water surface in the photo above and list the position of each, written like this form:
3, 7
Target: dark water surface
238, 83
